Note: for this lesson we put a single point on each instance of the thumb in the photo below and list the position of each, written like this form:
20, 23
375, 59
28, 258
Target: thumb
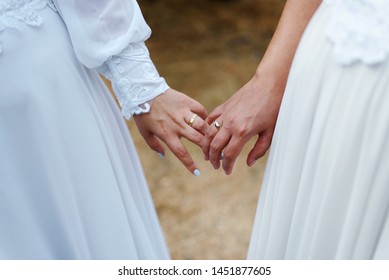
260, 148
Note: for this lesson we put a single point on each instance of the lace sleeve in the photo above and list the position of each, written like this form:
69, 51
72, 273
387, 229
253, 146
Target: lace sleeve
134, 78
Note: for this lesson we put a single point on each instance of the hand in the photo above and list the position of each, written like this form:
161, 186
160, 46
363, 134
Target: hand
168, 120
251, 111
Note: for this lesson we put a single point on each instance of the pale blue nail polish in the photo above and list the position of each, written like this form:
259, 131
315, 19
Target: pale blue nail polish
196, 172
161, 155
222, 156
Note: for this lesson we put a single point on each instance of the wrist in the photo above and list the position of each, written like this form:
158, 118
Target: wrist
270, 80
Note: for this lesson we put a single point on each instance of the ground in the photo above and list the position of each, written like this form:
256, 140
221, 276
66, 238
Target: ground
207, 49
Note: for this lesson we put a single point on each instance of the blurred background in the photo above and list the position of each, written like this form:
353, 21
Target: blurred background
207, 49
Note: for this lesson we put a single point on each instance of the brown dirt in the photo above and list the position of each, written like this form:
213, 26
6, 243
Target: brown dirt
207, 49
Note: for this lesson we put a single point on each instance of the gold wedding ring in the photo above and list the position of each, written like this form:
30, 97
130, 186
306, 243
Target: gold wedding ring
192, 119
217, 125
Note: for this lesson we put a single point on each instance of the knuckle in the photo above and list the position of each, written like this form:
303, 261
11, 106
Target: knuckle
228, 156
209, 134
202, 126
204, 143
163, 134
181, 153
214, 146
242, 132
198, 138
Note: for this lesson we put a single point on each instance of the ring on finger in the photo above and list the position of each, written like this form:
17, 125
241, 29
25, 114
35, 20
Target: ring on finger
217, 125
192, 119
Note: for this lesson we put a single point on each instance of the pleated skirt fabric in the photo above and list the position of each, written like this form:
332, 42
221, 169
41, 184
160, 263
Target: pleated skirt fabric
325, 193
71, 184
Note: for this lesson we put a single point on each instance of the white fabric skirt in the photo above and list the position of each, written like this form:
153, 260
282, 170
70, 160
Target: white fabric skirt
71, 184
325, 193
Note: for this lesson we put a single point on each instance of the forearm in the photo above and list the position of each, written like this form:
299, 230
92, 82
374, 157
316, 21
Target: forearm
276, 62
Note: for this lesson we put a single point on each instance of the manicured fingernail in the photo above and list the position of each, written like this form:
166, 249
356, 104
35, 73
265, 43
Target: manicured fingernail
196, 172
222, 156
161, 155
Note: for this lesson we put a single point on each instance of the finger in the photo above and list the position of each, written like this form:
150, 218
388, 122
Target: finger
197, 123
198, 109
154, 143
179, 150
201, 126
231, 152
216, 113
207, 139
193, 136
217, 145
259, 150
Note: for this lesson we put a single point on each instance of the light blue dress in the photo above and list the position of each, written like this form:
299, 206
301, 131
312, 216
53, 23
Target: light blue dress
71, 184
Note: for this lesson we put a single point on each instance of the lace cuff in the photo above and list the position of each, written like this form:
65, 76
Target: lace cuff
134, 78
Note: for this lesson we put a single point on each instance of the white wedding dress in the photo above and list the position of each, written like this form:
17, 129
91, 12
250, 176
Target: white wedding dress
71, 184
325, 193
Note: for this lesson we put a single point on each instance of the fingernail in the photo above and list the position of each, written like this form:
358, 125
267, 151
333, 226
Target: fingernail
252, 163
196, 172
222, 156
161, 155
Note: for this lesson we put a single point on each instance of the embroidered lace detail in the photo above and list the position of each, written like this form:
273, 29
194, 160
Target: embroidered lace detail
16, 13
135, 80
359, 30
